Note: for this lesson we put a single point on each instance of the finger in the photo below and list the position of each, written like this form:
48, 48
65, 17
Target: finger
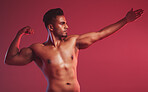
139, 10
28, 31
27, 28
31, 31
131, 9
139, 13
138, 16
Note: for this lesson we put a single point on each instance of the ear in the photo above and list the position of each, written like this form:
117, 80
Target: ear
50, 27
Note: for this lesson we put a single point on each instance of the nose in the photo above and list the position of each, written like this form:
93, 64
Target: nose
66, 26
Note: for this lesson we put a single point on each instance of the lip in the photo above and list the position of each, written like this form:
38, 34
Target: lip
65, 31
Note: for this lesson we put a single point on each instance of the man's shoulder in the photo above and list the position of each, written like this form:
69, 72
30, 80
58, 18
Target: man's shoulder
72, 37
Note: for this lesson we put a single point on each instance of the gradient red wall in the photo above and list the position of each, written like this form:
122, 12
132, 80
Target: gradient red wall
118, 63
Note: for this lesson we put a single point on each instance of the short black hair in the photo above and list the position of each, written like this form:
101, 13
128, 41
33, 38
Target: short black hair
51, 14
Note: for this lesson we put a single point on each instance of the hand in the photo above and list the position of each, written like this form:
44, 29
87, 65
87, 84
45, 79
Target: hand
26, 30
133, 15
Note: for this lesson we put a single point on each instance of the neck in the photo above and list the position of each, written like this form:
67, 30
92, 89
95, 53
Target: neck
53, 40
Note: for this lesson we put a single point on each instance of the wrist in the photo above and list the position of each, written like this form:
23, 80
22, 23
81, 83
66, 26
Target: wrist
19, 34
125, 20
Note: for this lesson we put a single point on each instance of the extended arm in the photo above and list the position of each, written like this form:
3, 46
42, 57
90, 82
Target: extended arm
85, 40
14, 56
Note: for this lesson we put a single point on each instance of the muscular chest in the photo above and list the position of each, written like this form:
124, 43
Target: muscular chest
65, 54
58, 55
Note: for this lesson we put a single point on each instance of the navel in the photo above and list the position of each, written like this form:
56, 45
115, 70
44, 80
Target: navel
68, 83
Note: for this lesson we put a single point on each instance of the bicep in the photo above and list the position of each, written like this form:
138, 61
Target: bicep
24, 57
85, 40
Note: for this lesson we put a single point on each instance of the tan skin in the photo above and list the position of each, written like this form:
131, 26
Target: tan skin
58, 59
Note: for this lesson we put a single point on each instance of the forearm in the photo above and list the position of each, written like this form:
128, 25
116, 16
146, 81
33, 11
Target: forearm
14, 47
111, 28
85, 40
16, 56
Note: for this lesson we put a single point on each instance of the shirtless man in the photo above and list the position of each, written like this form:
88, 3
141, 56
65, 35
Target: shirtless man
57, 57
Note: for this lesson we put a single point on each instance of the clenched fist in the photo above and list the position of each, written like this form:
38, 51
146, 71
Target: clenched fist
26, 30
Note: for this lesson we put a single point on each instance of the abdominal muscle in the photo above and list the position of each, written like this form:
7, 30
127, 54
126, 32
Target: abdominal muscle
62, 79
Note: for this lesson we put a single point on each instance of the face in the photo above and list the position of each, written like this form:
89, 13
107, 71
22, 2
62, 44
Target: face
60, 26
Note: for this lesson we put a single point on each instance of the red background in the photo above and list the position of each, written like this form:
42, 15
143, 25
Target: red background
118, 63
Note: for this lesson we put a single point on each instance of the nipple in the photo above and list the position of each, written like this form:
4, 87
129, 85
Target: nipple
48, 61
72, 57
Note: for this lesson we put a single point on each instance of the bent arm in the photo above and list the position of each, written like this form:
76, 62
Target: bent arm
15, 56
85, 40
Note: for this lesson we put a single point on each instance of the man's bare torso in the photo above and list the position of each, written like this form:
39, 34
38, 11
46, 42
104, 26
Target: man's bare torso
59, 60
59, 65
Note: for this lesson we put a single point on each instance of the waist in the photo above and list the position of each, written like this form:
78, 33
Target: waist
63, 86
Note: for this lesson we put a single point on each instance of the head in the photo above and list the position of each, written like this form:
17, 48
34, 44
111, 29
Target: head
55, 22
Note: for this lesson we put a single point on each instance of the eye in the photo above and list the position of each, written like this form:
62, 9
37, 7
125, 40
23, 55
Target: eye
62, 23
